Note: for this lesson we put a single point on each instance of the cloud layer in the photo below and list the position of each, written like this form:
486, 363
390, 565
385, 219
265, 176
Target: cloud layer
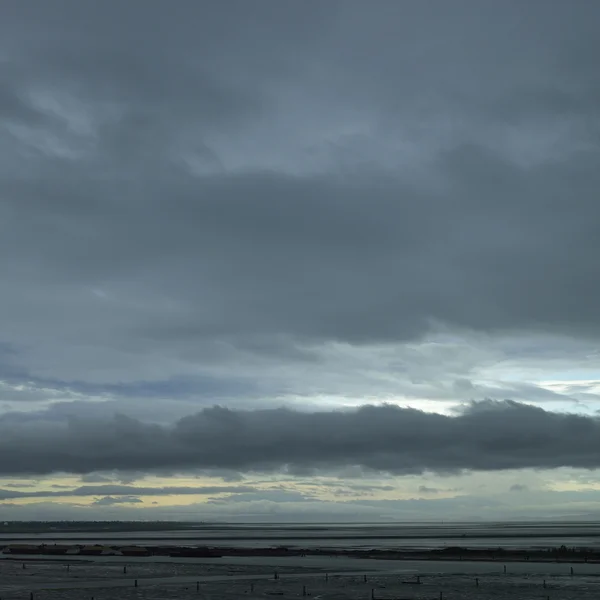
174, 203
314, 205
486, 436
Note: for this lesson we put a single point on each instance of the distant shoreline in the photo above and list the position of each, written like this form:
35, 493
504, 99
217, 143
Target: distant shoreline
106, 535
20, 551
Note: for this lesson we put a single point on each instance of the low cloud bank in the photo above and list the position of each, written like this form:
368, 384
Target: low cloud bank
485, 436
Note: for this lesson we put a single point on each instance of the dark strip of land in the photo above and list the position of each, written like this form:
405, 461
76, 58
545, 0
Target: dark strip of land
561, 554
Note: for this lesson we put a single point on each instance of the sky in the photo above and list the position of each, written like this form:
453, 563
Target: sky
299, 261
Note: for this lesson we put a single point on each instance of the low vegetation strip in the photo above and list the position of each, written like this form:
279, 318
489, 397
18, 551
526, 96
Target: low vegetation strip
560, 554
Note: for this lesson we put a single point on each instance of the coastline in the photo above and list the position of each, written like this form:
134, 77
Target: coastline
66, 552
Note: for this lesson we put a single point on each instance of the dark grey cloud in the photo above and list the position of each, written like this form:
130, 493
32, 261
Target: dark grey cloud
227, 475
19, 486
312, 258
518, 487
252, 179
95, 478
305, 204
485, 436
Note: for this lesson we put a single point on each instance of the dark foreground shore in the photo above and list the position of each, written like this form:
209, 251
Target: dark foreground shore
561, 554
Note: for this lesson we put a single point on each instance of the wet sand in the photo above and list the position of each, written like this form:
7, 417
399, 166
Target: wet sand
99, 580
333, 563
253, 577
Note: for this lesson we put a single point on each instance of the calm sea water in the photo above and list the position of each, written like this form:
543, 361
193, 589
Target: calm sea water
414, 535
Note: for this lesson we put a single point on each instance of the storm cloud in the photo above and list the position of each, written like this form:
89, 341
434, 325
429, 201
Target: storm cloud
211, 213
151, 204
486, 436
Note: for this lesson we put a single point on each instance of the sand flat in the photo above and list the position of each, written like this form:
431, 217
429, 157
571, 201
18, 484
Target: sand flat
105, 580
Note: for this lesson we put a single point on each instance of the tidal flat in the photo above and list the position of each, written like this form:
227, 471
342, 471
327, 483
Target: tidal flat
149, 580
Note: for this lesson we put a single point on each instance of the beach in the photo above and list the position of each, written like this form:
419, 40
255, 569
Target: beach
324, 578
154, 565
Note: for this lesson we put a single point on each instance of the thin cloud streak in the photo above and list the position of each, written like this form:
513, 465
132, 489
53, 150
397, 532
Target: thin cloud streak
125, 490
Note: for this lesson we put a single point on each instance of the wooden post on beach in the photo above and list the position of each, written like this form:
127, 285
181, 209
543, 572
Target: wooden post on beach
441, 595
197, 586
304, 590
135, 583
30, 595
372, 594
